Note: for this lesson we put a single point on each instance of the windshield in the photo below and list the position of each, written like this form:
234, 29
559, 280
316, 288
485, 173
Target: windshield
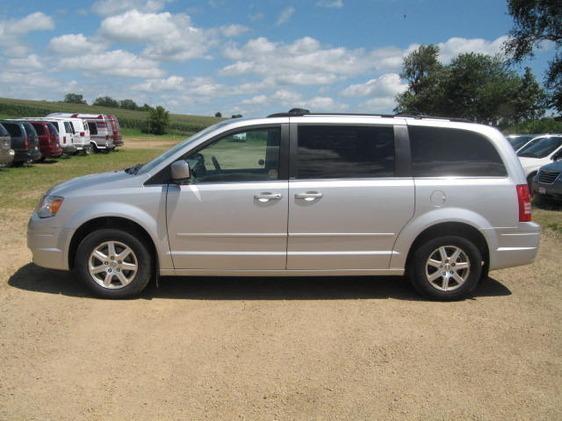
518, 142
541, 147
149, 166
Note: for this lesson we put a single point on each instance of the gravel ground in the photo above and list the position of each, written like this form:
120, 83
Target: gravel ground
344, 348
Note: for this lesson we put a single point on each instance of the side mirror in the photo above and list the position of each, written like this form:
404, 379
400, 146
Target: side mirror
557, 156
180, 172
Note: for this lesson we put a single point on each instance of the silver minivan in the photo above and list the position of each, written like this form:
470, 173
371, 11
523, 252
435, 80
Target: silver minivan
299, 194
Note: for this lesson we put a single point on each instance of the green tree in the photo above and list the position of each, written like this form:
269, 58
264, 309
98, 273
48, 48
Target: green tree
158, 120
218, 114
74, 98
534, 22
145, 107
106, 101
128, 104
473, 86
424, 74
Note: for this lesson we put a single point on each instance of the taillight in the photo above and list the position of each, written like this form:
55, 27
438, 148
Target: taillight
524, 200
64, 139
26, 142
82, 134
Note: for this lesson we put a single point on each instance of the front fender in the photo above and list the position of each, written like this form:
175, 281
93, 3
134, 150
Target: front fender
150, 223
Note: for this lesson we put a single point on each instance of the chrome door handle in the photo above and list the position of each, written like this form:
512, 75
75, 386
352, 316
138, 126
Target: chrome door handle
267, 197
309, 196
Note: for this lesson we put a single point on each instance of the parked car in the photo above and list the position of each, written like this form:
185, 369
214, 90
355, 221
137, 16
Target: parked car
49, 145
24, 141
81, 131
547, 184
6, 151
440, 200
517, 141
101, 132
65, 132
540, 151
116, 130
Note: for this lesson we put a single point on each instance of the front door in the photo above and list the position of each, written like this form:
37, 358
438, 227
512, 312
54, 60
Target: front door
233, 213
347, 199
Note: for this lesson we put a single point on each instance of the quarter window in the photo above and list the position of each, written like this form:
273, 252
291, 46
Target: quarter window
251, 155
441, 152
345, 152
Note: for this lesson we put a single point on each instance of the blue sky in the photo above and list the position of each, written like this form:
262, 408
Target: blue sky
237, 56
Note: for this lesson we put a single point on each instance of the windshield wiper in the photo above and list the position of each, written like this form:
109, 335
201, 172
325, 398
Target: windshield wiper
134, 169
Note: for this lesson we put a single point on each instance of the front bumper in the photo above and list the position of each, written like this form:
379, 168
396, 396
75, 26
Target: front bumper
6, 157
553, 190
47, 242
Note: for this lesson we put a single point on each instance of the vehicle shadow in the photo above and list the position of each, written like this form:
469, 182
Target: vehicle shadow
33, 278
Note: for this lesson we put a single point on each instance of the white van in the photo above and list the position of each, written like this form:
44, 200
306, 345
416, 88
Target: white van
65, 132
81, 131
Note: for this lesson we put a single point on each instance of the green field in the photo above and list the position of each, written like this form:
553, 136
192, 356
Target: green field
180, 124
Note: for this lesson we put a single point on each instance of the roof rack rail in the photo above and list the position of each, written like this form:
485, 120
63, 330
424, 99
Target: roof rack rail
299, 112
293, 112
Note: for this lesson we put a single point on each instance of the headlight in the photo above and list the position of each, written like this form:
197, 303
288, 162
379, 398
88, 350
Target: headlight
49, 206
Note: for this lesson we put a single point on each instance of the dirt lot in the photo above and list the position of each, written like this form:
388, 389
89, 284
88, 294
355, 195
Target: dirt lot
278, 348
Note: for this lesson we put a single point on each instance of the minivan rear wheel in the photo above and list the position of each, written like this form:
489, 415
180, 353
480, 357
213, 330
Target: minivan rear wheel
446, 268
113, 263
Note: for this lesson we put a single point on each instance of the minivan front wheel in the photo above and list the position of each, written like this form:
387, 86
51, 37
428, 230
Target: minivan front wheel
113, 263
446, 268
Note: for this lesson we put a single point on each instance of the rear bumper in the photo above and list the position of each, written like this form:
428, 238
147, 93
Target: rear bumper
69, 148
515, 246
27, 155
52, 151
47, 242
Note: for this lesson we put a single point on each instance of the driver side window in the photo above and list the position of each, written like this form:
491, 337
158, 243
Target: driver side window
249, 155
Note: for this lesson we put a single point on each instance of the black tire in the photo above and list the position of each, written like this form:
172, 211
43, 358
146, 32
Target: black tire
143, 258
417, 271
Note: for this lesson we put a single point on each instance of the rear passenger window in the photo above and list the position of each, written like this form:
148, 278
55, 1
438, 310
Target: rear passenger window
345, 152
40, 129
439, 152
93, 128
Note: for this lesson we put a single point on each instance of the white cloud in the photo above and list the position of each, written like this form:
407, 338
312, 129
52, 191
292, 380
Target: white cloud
233, 30
305, 61
167, 36
381, 90
32, 61
256, 100
116, 62
285, 15
12, 30
113, 7
456, 45
378, 105
387, 85
171, 83
70, 44
331, 4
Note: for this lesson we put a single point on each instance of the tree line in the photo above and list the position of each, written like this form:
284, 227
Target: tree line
107, 101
